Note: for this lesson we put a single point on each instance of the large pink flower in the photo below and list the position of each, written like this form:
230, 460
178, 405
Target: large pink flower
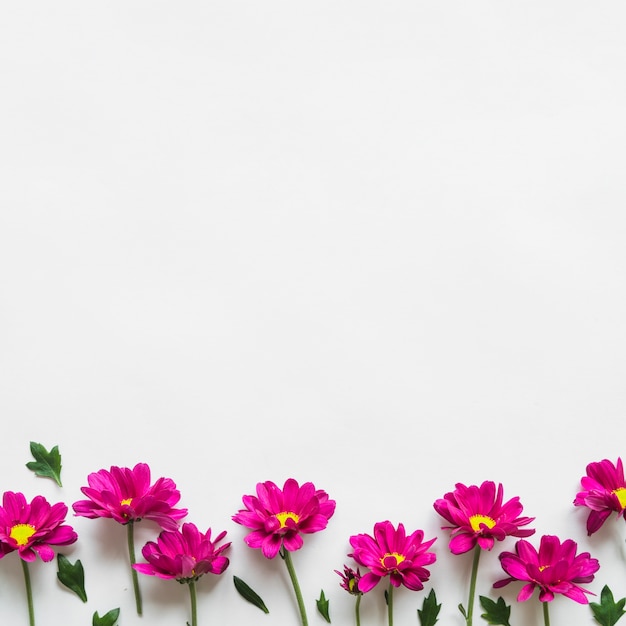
478, 516
391, 553
126, 495
277, 516
32, 528
604, 491
184, 554
556, 568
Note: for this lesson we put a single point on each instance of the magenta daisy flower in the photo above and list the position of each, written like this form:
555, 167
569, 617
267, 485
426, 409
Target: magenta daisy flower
391, 553
184, 555
32, 528
126, 495
604, 491
350, 580
479, 517
555, 568
279, 517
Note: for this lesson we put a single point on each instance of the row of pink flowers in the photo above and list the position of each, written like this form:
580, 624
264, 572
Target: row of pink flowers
477, 516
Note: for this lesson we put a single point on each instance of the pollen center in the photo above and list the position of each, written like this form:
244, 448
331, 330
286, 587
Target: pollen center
542, 567
621, 496
386, 561
21, 533
126, 501
477, 520
284, 516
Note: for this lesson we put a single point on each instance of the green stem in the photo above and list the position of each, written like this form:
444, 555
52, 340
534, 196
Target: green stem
357, 610
390, 604
286, 555
192, 594
546, 614
131, 553
29, 593
472, 590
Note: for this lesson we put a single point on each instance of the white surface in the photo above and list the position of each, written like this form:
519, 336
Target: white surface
378, 246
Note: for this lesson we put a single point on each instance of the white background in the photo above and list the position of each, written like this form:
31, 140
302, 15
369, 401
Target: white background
374, 245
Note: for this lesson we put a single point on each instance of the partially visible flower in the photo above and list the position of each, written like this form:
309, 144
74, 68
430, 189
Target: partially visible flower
184, 554
391, 553
126, 495
555, 568
350, 580
33, 528
479, 517
277, 516
604, 491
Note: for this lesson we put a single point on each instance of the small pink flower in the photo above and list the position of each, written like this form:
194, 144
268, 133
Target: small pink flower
478, 516
184, 554
126, 495
604, 491
556, 568
278, 517
32, 528
391, 553
350, 580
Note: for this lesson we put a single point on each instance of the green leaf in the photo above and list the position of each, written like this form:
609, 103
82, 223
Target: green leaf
108, 619
248, 594
607, 612
495, 612
46, 464
430, 609
322, 606
72, 576
462, 610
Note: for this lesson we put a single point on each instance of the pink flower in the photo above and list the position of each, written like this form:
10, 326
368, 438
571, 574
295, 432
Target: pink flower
391, 553
604, 492
184, 554
554, 569
278, 517
350, 580
126, 495
478, 516
32, 528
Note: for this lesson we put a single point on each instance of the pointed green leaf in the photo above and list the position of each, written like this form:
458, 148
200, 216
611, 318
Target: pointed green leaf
386, 598
322, 606
607, 612
46, 464
72, 576
248, 594
462, 610
495, 612
107, 619
430, 609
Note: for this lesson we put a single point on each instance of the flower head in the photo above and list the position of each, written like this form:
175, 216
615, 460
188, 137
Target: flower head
277, 516
184, 554
604, 491
556, 568
126, 495
350, 580
32, 528
478, 516
391, 553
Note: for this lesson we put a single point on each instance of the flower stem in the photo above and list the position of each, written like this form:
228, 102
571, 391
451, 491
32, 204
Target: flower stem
286, 555
472, 590
29, 593
357, 610
131, 553
546, 614
390, 604
192, 594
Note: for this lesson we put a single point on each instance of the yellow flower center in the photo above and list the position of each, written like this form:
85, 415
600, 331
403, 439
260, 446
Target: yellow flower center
21, 533
351, 584
284, 516
621, 496
126, 501
398, 557
542, 567
477, 520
